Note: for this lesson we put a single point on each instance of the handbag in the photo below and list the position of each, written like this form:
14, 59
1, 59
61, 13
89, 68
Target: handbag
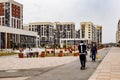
97, 56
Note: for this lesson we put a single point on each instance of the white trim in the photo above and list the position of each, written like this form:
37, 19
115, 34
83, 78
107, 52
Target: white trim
17, 31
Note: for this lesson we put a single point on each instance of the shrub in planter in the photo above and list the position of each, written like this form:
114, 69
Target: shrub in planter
61, 51
42, 54
52, 51
48, 52
21, 55
60, 54
65, 49
76, 54
70, 51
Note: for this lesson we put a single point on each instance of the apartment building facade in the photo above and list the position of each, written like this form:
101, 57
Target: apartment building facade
99, 34
65, 31
118, 33
50, 33
45, 31
11, 19
88, 32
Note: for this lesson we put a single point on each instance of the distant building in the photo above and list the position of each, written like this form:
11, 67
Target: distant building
64, 30
118, 33
45, 31
88, 32
99, 34
50, 33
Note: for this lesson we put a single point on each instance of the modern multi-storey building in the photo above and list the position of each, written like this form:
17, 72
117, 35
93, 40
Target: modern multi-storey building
45, 31
118, 34
99, 34
51, 33
64, 30
78, 33
88, 32
11, 14
11, 25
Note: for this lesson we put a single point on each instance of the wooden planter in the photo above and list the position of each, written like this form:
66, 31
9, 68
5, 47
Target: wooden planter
60, 54
21, 55
61, 51
42, 54
76, 54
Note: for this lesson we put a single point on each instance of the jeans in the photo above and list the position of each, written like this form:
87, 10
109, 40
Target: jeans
93, 57
82, 59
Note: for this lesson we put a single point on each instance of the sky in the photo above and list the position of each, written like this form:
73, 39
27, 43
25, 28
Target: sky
101, 12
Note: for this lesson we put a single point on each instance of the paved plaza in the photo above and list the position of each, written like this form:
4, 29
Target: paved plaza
62, 68
109, 68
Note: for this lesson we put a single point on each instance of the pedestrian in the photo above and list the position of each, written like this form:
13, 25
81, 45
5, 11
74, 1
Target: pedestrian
82, 54
93, 52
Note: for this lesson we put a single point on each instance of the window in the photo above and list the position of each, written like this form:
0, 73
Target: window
60, 27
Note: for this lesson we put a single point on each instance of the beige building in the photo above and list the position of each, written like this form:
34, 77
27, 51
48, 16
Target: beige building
88, 32
118, 33
99, 34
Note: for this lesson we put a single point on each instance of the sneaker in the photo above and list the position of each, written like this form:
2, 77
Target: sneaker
81, 68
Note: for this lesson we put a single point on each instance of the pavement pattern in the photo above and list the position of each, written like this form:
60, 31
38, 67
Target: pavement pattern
54, 68
109, 68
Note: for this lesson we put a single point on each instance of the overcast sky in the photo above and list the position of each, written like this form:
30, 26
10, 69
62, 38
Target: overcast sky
101, 12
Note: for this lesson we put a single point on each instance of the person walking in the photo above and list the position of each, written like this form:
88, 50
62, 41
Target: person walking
82, 54
93, 52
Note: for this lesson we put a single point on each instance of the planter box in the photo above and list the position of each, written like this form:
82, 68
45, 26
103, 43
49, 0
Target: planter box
42, 54
76, 54
60, 54
21, 55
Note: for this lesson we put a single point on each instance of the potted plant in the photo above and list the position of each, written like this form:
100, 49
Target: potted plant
60, 54
21, 55
42, 54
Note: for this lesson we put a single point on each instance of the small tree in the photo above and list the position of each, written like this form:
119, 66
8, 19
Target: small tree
64, 46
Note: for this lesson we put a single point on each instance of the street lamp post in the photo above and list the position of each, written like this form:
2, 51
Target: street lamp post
54, 44
74, 40
74, 44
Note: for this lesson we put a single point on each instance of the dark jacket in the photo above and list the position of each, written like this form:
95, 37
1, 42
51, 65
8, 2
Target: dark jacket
94, 50
82, 48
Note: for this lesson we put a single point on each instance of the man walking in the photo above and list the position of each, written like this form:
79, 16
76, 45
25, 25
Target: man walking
93, 52
82, 54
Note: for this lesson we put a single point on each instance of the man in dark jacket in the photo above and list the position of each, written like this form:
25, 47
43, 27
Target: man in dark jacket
93, 52
82, 54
